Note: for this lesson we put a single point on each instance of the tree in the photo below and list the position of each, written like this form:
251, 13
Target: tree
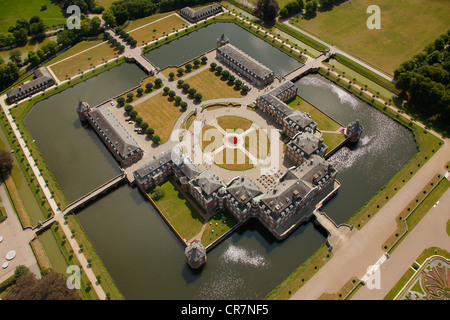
128, 108
204, 59
138, 120
133, 113
156, 139
6, 163
121, 100
95, 24
180, 71
311, 8
213, 65
33, 58
130, 96
15, 56
166, 90
52, 286
158, 193
144, 125
158, 82
108, 17
140, 91
183, 105
267, 10
149, 86
171, 75
192, 91
150, 131
188, 67
196, 63
198, 96
186, 86
171, 94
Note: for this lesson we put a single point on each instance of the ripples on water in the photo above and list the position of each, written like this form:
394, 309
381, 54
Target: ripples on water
243, 256
376, 138
227, 282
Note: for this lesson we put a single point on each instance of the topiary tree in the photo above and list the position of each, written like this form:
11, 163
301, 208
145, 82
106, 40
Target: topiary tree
156, 139
133, 113
144, 125
198, 96
128, 108
192, 91
150, 131
121, 100
158, 82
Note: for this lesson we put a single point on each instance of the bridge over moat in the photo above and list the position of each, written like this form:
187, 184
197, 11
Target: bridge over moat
82, 201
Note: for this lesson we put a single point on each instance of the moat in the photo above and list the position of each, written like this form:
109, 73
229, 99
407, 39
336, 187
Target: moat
250, 262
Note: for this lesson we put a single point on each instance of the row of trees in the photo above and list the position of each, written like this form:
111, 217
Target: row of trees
86, 6
425, 82
227, 76
124, 10
144, 126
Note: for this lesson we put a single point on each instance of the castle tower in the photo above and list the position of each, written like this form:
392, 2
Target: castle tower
353, 131
195, 254
83, 109
222, 40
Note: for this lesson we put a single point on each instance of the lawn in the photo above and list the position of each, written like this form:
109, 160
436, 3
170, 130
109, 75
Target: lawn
155, 30
212, 87
12, 11
217, 226
80, 60
324, 122
257, 143
160, 113
360, 80
179, 211
332, 140
185, 73
233, 159
234, 123
407, 26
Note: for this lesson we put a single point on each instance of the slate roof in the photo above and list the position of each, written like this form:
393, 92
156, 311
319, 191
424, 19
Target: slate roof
307, 142
152, 166
208, 182
113, 130
260, 70
243, 189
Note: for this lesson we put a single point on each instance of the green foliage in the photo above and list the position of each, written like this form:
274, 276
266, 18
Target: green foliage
158, 193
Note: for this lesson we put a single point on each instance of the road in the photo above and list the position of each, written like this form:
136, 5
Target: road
364, 247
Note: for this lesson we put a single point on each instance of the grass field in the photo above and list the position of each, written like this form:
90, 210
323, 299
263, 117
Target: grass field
11, 11
97, 52
161, 115
212, 87
407, 26
179, 211
155, 30
323, 121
